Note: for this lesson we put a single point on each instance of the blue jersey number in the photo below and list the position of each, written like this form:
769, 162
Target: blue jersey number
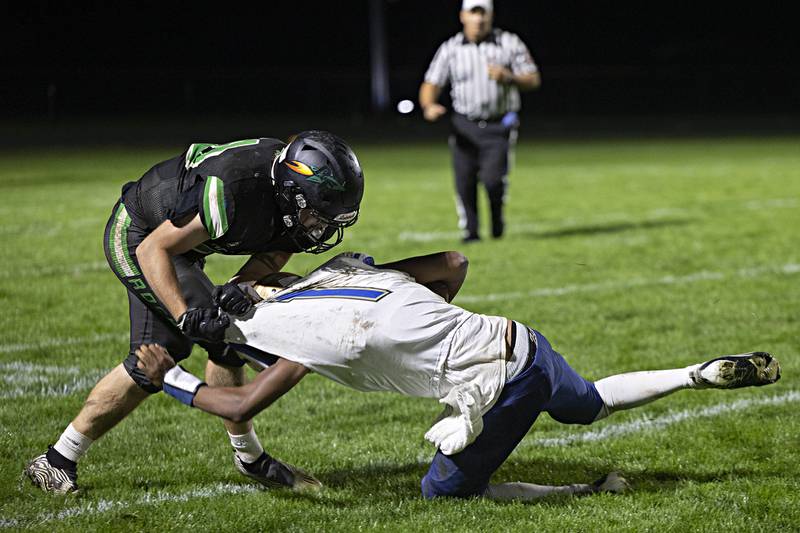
352, 293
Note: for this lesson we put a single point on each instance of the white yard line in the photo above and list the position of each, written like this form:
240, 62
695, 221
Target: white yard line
775, 203
19, 379
703, 275
153, 498
656, 215
57, 342
20, 367
661, 422
663, 215
221, 489
37, 389
76, 269
49, 230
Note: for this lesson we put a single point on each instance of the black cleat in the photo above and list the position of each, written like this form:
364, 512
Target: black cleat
274, 474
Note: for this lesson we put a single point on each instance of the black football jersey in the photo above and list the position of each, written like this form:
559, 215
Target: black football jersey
228, 185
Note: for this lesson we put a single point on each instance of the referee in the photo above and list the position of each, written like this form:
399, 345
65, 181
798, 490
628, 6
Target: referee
486, 68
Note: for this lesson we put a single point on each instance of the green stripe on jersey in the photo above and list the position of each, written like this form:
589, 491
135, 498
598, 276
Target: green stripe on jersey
214, 217
124, 266
194, 153
199, 152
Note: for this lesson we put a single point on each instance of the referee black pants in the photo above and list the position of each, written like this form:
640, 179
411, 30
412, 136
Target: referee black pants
480, 152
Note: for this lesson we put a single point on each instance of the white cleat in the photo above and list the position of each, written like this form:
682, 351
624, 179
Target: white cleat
753, 369
613, 483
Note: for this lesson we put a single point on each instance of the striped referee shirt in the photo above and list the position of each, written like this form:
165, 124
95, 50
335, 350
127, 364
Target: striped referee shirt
465, 66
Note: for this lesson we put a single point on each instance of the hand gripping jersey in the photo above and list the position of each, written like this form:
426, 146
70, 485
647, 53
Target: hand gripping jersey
228, 185
379, 330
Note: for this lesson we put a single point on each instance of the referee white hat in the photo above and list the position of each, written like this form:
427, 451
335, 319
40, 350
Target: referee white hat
469, 5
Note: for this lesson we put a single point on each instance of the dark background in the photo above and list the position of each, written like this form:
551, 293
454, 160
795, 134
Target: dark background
615, 63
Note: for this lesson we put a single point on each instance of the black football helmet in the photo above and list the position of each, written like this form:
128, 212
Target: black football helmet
318, 172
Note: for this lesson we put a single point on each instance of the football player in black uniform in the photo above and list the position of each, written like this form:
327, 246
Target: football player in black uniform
256, 197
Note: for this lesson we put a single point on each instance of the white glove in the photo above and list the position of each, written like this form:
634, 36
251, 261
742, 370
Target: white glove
461, 421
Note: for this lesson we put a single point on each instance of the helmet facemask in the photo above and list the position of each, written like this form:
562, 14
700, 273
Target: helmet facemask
310, 230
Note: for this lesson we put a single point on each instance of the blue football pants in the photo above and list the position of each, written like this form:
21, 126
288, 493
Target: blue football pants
549, 385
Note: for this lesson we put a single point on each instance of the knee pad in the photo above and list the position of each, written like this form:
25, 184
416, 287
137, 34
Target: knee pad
136, 374
432, 489
445, 478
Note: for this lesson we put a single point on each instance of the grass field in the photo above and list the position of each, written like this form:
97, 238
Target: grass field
627, 254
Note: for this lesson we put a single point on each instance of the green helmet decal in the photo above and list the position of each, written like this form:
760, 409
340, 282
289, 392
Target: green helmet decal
324, 176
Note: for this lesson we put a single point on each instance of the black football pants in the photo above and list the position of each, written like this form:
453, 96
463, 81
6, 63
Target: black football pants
150, 320
480, 152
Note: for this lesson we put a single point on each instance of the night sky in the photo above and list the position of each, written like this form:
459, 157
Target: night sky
615, 57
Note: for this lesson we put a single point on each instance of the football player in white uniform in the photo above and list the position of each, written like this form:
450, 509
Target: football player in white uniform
391, 328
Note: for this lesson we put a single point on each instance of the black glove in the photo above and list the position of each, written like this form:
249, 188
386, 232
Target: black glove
231, 299
202, 323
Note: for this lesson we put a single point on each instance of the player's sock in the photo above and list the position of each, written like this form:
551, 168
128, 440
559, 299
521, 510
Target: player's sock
625, 391
519, 491
526, 492
59, 461
71, 446
247, 446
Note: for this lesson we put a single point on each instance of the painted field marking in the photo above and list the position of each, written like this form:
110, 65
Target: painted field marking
754, 272
703, 275
220, 489
774, 203
65, 341
660, 422
76, 269
152, 498
39, 389
656, 215
48, 230
663, 214
21, 379
21, 367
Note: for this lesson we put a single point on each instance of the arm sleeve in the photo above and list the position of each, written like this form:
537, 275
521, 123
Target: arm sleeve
438, 72
216, 211
521, 60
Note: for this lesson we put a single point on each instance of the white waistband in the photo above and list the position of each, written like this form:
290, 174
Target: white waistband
520, 354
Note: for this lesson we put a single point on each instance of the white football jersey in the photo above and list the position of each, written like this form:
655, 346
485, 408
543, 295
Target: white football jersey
378, 330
